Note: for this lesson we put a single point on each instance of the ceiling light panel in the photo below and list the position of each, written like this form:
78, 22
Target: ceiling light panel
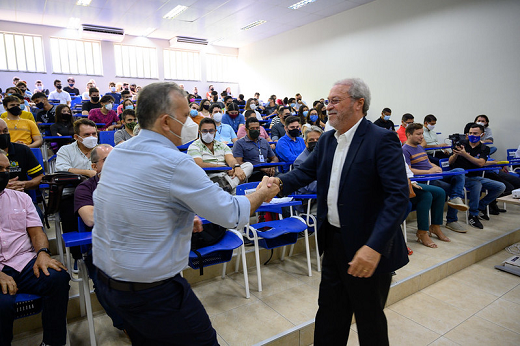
83, 2
252, 25
300, 4
175, 12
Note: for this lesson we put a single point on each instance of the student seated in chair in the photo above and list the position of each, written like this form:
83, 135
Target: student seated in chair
84, 208
26, 265
430, 140
129, 121
22, 131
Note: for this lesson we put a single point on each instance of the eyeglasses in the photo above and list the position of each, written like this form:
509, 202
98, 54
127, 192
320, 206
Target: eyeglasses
208, 131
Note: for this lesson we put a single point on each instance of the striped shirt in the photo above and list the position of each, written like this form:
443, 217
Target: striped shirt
416, 157
198, 149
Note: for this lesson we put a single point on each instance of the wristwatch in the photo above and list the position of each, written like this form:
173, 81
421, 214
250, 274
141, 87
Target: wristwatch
237, 165
44, 249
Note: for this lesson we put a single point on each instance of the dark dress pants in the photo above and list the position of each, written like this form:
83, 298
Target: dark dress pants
169, 314
54, 290
343, 295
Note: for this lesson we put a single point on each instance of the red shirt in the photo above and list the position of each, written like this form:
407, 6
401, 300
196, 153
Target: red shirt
402, 135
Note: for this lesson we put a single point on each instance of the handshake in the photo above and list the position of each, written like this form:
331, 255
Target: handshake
268, 188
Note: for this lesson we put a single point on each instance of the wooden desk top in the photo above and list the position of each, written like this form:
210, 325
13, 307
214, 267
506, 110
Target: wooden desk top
509, 199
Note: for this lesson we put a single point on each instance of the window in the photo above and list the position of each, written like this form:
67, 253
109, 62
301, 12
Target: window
136, 62
181, 65
21, 53
221, 68
76, 57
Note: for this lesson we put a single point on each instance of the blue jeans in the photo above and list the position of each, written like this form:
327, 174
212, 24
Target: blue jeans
454, 187
54, 290
169, 314
474, 185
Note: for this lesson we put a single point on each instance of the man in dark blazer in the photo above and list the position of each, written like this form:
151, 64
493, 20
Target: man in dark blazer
362, 199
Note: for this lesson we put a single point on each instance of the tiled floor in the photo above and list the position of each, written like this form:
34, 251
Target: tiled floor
478, 305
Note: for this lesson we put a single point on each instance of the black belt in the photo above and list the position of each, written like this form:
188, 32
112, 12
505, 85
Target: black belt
126, 285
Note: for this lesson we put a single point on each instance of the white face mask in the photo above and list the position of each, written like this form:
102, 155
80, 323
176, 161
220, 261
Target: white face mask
430, 127
113, 89
217, 117
90, 142
189, 131
108, 107
253, 106
481, 123
208, 137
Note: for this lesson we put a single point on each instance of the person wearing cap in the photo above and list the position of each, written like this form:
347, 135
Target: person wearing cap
70, 88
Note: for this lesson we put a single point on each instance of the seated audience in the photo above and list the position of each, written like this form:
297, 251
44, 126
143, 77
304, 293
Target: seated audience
63, 125
27, 267
240, 100
254, 149
84, 208
39, 88
430, 140
196, 93
209, 94
233, 117
204, 108
25, 114
92, 103
129, 121
291, 144
86, 95
47, 110
125, 95
105, 114
311, 119
487, 138
208, 152
113, 92
278, 129
406, 120
70, 87
384, 120
453, 185
194, 112
322, 114
59, 94
242, 130
271, 106
473, 154
26, 93
225, 133
302, 113
21, 131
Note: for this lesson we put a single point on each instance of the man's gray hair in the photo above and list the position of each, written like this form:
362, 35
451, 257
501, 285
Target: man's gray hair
358, 89
313, 128
153, 101
94, 156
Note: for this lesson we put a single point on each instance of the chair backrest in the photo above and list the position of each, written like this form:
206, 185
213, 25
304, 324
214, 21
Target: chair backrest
38, 154
445, 165
247, 188
107, 137
511, 154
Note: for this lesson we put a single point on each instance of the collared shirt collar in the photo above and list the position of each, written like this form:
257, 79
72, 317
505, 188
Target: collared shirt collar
350, 133
158, 137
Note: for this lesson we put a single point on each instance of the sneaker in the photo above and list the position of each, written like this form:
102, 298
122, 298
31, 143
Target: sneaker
482, 214
456, 227
457, 203
475, 222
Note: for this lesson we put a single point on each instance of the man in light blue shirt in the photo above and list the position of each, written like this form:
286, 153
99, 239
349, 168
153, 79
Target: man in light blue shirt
140, 247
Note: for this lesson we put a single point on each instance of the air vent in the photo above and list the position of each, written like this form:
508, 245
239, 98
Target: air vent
192, 40
103, 33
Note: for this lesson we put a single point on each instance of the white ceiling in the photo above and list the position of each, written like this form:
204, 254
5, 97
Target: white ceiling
207, 19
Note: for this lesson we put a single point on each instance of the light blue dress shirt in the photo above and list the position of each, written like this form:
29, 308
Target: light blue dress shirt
144, 206
225, 133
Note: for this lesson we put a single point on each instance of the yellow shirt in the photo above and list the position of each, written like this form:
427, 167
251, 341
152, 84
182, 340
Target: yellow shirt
24, 115
22, 130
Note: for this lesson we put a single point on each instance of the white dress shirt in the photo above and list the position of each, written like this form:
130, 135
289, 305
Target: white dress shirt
340, 154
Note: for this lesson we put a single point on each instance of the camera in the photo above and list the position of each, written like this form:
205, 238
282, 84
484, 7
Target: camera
456, 140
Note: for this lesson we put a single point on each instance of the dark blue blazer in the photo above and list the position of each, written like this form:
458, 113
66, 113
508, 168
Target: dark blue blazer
373, 194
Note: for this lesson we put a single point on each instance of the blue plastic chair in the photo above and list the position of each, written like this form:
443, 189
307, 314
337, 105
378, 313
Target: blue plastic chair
27, 305
270, 234
222, 252
107, 137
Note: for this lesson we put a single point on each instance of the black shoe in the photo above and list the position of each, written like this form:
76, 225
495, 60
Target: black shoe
493, 209
475, 222
482, 214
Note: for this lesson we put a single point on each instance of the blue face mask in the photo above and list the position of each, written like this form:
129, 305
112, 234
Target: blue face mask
305, 113
22, 106
129, 107
387, 117
473, 139
194, 113
314, 118
293, 105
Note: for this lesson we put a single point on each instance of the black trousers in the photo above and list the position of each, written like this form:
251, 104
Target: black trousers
342, 295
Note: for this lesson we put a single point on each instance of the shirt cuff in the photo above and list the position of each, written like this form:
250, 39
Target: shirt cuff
244, 210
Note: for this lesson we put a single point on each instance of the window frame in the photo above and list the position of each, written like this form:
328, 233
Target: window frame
38, 61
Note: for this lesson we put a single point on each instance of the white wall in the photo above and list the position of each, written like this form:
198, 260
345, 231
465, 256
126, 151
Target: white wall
107, 52
452, 58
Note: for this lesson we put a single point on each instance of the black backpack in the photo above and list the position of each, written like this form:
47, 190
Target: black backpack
210, 235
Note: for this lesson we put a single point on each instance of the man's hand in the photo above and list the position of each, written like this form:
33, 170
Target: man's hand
460, 150
446, 151
197, 224
8, 284
364, 262
43, 262
239, 173
435, 169
268, 170
269, 188
16, 185
91, 173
